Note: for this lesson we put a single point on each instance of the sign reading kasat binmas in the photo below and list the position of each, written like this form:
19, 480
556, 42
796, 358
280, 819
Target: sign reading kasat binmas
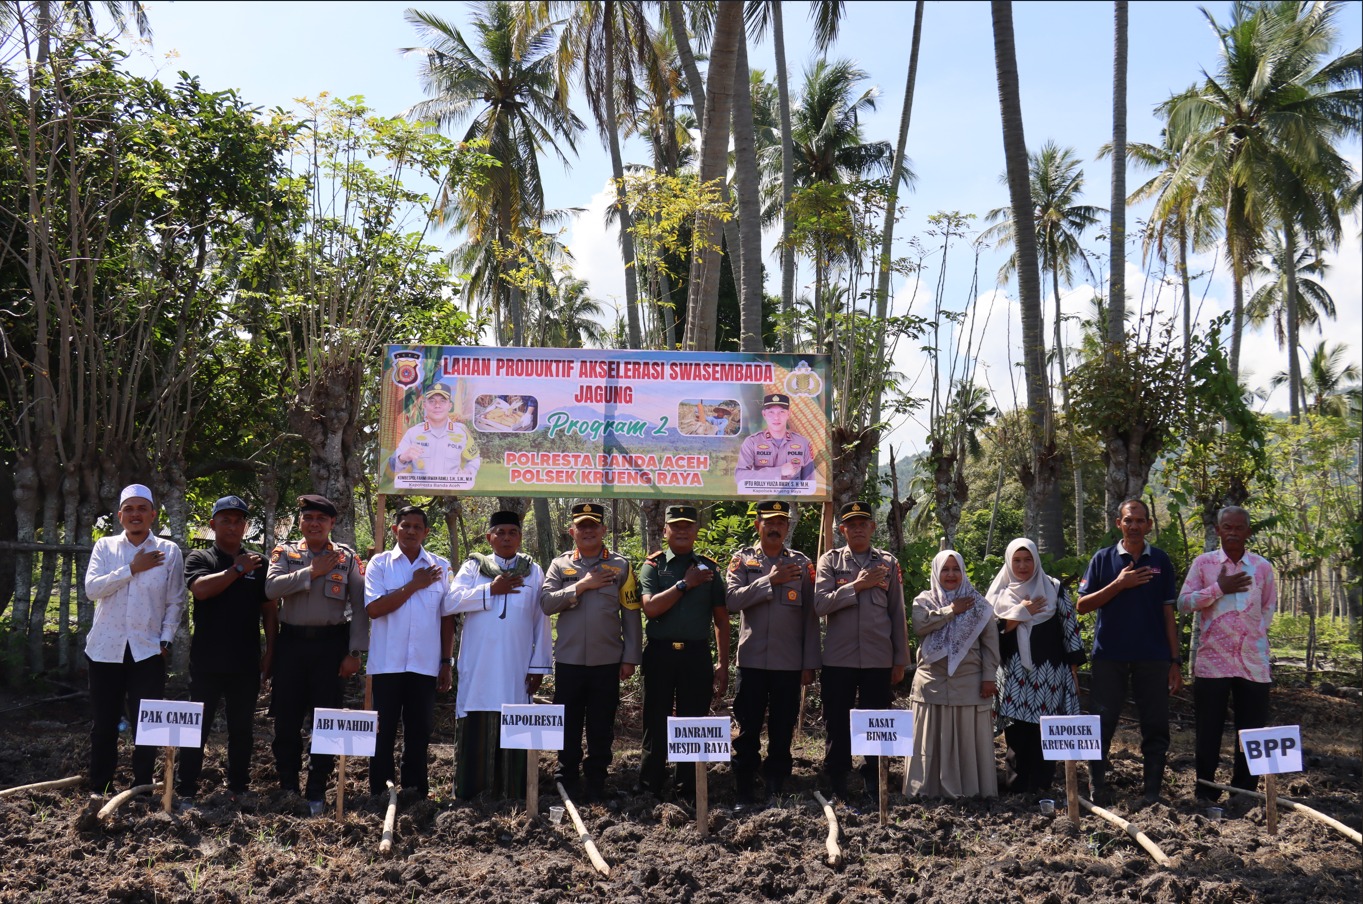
575, 422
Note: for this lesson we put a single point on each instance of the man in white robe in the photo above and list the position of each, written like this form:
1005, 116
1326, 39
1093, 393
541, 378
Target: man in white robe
504, 653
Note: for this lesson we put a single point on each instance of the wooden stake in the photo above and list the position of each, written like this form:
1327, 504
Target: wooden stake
340, 787
1141, 838
592, 853
883, 778
702, 801
390, 818
1072, 790
70, 782
368, 691
1352, 834
532, 783
1271, 802
168, 797
800, 719
831, 842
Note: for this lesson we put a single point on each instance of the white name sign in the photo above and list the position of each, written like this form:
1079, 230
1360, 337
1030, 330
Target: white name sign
882, 732
1071, 738
169, 723
348, 732
1269, 751
698, 740
532, 726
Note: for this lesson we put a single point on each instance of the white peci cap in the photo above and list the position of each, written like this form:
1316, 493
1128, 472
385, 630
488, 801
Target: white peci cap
134, 489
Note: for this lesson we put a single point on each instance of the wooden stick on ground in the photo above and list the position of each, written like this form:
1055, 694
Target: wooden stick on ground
831, 842
340, 786
532, 783
883, 792
1271, 802
1351, 834
1141, 838
168, 796
53, 785
702, 800
1072, 791
123, 797
592, 853
389, 820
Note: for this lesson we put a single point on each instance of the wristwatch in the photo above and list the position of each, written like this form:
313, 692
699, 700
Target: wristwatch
239, 569
680, 586
355, 653
449, 661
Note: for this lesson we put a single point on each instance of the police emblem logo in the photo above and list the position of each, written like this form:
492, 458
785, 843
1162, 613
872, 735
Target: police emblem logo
778, 507
569, 572
763, 446
406, 368
792, 595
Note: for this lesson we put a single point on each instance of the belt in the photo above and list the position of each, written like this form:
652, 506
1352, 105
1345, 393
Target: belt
680, 644
312, 632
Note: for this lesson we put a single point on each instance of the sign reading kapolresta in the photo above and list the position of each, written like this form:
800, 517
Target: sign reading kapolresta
1071, 738
348, 732
698, 740
882, 732
169, 723
576, 422
532, 726
1272, 750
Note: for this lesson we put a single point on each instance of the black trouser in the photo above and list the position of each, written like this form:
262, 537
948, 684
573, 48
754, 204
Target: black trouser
1149, 683
775, 696
409, 698
682, 675
1210, 696
589, 695
307, 665
1025, 769
116, 689
845, 689
240, 690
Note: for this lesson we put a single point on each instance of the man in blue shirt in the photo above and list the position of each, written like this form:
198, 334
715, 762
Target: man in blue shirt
1131, 586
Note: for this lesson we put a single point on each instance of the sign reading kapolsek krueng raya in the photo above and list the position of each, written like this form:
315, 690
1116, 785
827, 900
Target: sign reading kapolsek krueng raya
574, 422
1071, 738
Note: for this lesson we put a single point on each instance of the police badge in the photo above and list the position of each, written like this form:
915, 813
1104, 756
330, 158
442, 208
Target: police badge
406, 368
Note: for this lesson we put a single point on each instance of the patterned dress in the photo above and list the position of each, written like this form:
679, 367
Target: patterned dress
1048, 689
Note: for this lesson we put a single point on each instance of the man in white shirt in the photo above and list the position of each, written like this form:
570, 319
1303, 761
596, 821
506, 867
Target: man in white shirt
137, 582
504, 655
411, 636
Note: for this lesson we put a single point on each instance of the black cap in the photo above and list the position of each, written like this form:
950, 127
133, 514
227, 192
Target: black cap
773, 508
775, 400
315, 503
681, 513
855, 510
588, 511
497, 519
231, 504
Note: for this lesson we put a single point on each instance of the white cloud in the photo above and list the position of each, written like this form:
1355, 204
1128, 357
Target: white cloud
596, 251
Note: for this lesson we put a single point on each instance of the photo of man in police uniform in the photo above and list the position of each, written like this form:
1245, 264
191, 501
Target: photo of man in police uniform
436, 451
775, 461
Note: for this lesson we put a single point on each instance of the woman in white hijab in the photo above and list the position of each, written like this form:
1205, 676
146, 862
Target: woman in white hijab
1041, 653
953, 687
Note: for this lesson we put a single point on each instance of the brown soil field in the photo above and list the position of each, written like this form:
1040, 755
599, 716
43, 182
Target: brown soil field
265, 847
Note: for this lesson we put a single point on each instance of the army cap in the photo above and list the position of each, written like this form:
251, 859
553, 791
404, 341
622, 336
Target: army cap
855, 510
677, 513
589, 511
775, 400
315, 503
438, 389
773, 508
231, 504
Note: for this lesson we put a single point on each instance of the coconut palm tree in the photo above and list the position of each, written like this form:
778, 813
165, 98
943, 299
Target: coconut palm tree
1269, 301
507, 87
1330, 381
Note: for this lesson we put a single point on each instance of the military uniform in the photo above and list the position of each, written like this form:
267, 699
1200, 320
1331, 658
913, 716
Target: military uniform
596, 632
865, 637
319, 621
762, 456
778, 639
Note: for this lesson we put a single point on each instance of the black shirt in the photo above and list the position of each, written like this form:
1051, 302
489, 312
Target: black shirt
226, 626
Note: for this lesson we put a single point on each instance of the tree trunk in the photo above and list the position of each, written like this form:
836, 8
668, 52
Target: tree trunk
1116, 308
1187, 298
621, 201
853, 452
749, 207
1039, 473
787, 180
544, 532
1294, 390
703, 296
680, 34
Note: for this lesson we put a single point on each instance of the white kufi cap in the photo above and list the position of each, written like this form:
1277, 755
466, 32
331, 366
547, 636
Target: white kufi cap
134, 489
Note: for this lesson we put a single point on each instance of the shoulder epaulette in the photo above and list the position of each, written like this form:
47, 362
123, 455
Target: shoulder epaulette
654, 557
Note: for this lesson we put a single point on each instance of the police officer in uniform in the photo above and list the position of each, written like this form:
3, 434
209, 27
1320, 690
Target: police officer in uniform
323, 628
860, 591
682, 599
771, 586
598, 644
774, 454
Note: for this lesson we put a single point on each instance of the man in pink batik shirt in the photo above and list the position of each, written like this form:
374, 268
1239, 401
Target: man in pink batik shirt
1234, 594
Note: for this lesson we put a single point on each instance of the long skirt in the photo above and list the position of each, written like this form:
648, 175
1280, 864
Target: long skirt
480, 763
953, 752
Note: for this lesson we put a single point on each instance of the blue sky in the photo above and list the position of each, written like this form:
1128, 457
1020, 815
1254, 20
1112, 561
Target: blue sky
275, 52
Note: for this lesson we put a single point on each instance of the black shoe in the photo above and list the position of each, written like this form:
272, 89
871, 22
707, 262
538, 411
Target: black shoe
1101, 795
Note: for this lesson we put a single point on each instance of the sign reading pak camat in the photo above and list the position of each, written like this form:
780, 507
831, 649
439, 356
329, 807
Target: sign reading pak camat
169, 723
575, 422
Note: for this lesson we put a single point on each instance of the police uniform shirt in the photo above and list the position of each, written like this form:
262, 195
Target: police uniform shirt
691, 618
778, 627
865, 630
440, 451
328, 600
602, 626
762, 456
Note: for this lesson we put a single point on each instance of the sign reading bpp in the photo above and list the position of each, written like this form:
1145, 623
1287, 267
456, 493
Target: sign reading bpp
1269, 751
